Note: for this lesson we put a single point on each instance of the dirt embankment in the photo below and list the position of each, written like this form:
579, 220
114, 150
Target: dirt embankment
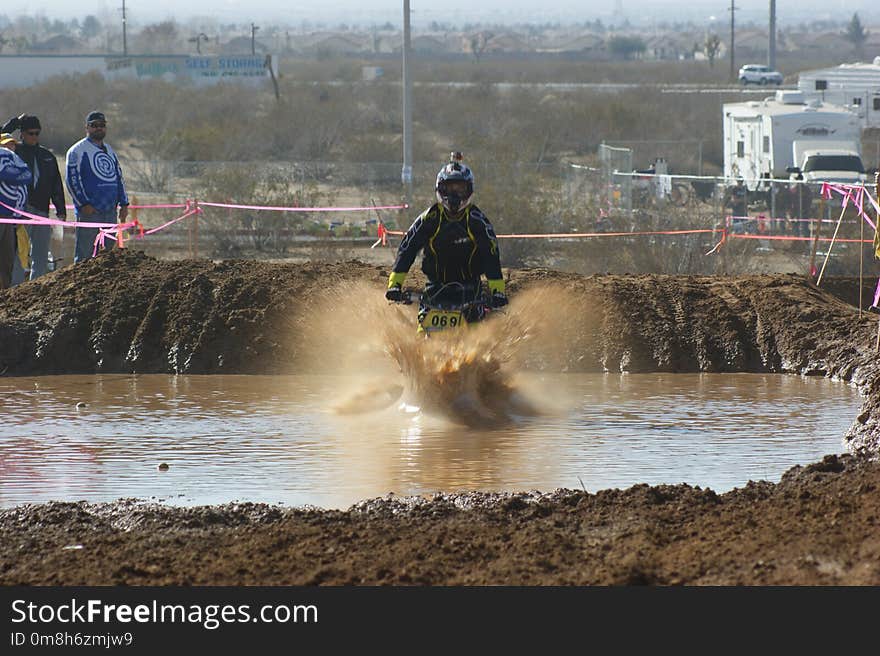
817, 526
125, 312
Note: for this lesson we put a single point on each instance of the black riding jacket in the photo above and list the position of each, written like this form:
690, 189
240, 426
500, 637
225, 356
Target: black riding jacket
47, 183
459, 250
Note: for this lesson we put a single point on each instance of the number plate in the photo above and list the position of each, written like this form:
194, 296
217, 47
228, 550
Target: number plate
436, 320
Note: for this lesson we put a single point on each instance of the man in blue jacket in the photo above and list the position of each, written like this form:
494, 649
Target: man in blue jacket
14, 178
94, 180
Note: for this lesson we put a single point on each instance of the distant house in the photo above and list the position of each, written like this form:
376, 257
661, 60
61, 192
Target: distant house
428, 45
819, 43
339, 44
507, 43
387, 43
60, 43
752, 43
586, 42
673, 46
242, 45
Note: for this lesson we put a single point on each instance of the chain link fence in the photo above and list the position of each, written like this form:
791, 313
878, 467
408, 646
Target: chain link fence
670, 222
768, 225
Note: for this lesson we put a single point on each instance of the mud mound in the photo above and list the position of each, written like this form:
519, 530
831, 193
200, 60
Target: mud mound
126, 312
846, 288
816, 527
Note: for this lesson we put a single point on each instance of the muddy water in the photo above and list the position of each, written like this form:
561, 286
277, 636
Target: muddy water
277, 439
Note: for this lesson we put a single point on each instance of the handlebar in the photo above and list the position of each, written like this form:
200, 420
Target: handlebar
409, 296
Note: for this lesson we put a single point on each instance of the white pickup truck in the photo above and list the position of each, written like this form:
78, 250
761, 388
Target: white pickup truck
829, 161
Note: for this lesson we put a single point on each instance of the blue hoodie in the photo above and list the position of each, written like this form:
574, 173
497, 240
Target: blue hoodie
94, 177
14, 178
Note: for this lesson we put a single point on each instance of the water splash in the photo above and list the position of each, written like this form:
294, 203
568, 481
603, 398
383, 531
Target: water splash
458, 373
468, 375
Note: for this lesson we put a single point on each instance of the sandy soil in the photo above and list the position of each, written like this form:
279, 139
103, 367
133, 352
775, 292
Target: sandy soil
125, 312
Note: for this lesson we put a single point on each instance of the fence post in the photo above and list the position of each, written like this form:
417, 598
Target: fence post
816, 237
189, 237
861, 260
196, 231
700, 166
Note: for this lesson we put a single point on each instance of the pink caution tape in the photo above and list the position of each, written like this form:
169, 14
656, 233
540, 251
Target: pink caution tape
31, 219
567, 235
851, 193
145, 207
780, 219
188, 213
786, 238
273, 208
563, 235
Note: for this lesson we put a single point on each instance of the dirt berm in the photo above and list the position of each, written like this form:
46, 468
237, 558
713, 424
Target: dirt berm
125, 312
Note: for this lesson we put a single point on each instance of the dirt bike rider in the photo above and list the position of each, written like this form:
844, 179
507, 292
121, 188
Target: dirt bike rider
458, 243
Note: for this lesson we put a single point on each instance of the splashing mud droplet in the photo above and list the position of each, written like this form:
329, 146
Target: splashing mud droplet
468, 375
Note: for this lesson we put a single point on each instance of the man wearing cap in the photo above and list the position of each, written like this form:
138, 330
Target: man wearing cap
14, 179
47, 185
94, 180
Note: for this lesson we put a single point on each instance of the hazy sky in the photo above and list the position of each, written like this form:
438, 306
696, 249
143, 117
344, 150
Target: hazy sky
453, 11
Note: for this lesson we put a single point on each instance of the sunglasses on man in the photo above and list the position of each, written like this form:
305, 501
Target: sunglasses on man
97, 125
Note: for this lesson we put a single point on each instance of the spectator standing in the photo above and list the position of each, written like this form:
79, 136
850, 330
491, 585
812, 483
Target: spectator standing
801, 207
94, 180
737, 199
14, 179
22, 242
46, 186
780, 201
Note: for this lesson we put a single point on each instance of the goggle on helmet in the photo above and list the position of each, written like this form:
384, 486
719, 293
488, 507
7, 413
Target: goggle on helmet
455, 186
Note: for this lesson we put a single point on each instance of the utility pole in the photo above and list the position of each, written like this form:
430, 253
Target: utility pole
406, 173
254, 29
771, 50
124, 36
198, 41
732, 47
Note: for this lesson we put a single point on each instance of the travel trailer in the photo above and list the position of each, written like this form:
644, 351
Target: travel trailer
771, 139
854, 86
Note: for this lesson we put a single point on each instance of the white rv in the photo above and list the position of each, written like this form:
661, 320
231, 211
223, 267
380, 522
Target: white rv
762, 138
854, 86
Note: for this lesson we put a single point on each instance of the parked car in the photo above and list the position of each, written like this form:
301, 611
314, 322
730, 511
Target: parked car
759, 74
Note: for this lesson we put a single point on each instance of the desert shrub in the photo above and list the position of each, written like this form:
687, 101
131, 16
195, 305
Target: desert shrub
237, 231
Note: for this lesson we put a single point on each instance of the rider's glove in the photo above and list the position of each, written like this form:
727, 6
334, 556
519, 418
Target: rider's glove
498, 299
394, 294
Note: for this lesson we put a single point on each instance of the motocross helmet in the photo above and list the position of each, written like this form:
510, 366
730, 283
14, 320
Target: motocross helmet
455, 186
